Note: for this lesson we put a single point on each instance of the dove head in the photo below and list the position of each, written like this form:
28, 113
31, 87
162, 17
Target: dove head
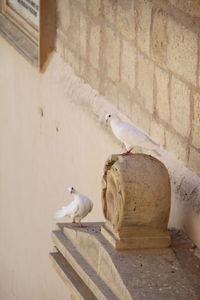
108, 117
71, 189
111, 117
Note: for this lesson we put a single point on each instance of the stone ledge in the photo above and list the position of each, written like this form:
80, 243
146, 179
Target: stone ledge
131, 274
81, 267
66, 272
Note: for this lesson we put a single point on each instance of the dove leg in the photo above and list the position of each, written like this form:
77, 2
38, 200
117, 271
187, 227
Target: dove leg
127, 152
73, 220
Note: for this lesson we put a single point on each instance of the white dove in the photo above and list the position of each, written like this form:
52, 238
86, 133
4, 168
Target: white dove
77, 209
130, 135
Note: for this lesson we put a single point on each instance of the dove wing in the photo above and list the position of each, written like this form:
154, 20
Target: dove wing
135, 137
68, 210
128, 134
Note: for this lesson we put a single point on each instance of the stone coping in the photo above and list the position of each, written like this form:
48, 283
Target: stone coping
131, 274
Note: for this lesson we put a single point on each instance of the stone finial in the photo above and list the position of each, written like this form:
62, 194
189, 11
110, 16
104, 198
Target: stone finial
136, 202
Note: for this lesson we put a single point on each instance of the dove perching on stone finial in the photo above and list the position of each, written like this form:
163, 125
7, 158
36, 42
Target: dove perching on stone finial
77, 209
130, 135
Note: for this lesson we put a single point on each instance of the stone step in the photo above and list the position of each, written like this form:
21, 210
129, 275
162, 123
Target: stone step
87, 274
69, 276
131, 274
98, 253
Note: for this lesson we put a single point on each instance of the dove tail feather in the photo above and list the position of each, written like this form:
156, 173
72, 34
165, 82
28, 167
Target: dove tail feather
60, 213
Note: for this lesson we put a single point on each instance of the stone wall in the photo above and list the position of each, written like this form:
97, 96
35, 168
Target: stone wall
143, 56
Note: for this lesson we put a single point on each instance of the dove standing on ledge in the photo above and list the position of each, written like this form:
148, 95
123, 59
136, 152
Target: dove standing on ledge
130, 135
77, 209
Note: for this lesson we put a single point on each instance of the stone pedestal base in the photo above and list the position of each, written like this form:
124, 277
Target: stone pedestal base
137, 238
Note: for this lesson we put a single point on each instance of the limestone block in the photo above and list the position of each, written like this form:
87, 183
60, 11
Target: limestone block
111, 91
82, 2
159, 36
145, 81
191, 7
94, 7
74, 28
157, 133
162, 94
72, 59
112, 58
140, 117
128, 61
92, 77
144, 9
182, 51
63, 14
136, 202
180, 107
124, 100
194, 160
60, 43
110, 8
126, 19
94, 45
196, 121
83, 36
175, 144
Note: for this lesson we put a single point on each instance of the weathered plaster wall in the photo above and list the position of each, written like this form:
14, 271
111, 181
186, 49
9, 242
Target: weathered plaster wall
47, 144
143, 55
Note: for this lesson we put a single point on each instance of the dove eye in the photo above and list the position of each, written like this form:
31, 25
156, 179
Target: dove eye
109, 116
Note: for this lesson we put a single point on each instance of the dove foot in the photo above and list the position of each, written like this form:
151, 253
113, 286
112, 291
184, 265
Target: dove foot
129, 152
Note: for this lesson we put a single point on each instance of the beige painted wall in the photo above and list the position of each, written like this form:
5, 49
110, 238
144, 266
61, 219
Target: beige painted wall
37, 163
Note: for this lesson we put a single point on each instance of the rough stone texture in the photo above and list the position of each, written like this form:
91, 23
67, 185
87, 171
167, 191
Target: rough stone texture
145, 81
82, 2
141, 117
93, 77
196, 121
182, 53
83, 35
73, 32
125, 22
177, 145
133, 274
128, 62
95, 7
124, 100
144, 10
162, 98
129, 52
194, 160
191, 7
111, 91
110, 8
158, 133
135, 203
63, 21
159, 36
71, 57
180, 107
112, 58
95, 45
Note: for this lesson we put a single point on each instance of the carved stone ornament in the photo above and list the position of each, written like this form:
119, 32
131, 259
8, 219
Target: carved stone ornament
136, 202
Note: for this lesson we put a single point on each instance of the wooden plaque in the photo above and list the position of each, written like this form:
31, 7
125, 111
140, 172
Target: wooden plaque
29, 25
